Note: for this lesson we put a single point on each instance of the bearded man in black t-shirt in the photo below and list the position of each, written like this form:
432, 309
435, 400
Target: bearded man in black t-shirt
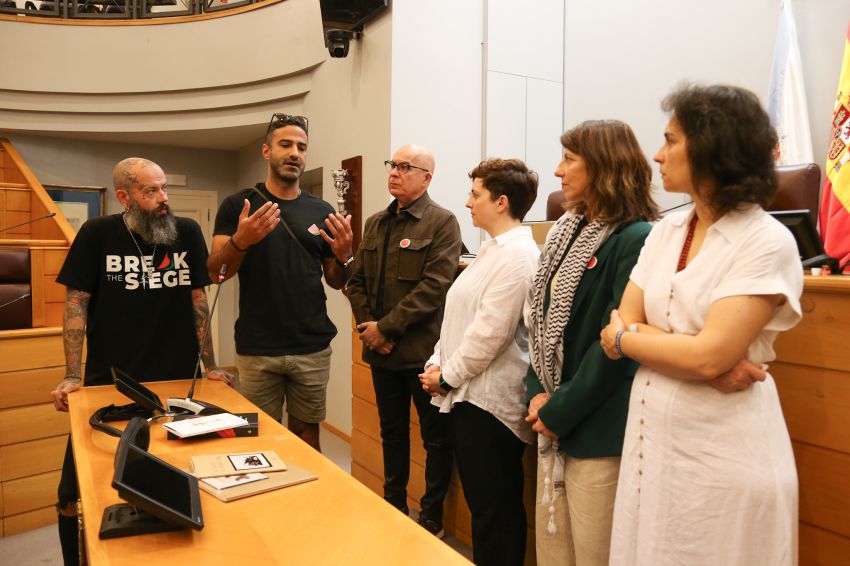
281, 241
135, 289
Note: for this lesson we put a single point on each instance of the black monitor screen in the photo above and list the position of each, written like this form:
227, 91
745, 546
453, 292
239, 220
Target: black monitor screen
156, 486
350, 14
800, 223
143, 396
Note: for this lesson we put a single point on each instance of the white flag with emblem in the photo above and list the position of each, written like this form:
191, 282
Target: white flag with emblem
786, 95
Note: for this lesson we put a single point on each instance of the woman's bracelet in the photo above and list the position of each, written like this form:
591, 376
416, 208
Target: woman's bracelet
617, 339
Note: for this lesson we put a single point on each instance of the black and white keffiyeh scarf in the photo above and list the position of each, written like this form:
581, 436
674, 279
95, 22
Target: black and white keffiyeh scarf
546, 326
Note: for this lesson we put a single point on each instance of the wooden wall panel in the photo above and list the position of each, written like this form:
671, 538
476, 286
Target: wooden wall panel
824, 487
29, 423
361, 383
33, 457
357, 349
17, 199
53, 260
30, 520
53, 292
29, 387
820, 338
26, 352
822, 548
806, 391
53, 314
364, 417
30, 493
367, 478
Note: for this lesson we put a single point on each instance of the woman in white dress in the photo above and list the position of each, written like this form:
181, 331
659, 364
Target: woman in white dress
708, 475
479, 362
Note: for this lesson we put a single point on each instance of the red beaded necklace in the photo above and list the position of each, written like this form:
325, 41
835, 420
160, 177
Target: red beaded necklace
683, 257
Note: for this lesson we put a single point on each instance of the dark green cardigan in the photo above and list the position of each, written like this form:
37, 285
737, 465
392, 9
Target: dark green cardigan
588, 411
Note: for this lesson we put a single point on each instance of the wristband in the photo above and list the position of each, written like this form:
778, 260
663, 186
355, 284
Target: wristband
346, 263
617, 339
444, 385
237, 248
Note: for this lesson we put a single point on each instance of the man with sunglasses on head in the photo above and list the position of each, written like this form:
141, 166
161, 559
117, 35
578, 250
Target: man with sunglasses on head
404, 267
281, 240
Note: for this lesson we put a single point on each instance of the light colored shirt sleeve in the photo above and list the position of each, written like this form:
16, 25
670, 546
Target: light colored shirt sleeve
495, 323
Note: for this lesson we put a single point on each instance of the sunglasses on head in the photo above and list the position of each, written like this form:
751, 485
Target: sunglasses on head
281, 120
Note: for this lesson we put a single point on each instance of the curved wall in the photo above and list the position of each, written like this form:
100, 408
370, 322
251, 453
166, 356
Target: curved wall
227, 72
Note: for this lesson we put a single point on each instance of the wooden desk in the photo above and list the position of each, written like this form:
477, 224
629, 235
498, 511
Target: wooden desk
334, 520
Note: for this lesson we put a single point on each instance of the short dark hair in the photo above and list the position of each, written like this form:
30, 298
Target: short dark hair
730, 143
281, 120
620, 186
509, 177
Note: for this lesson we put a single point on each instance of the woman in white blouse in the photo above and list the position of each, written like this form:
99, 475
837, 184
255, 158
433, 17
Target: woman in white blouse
479, 362
707, 474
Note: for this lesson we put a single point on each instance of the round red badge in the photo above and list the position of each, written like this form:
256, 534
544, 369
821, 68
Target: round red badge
405, 243
592, 263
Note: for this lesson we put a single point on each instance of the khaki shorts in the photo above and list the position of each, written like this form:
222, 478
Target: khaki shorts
301, 381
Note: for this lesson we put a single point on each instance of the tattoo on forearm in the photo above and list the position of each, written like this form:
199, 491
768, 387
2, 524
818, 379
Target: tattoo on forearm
202, 315
74, 330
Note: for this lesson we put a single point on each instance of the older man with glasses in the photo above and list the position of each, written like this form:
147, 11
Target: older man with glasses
281, 240
406, 263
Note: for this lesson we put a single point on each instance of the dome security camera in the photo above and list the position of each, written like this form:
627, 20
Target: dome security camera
337, 42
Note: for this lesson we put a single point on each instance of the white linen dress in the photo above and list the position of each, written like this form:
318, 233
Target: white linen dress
708, 477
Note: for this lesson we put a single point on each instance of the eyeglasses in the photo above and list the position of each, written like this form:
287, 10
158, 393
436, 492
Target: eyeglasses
402, 167
281, 120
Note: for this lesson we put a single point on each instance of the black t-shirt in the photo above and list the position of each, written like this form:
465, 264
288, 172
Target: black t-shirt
282, 307
148, 331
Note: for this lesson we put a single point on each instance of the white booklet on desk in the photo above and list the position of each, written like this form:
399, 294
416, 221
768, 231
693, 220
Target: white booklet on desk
205, 425
230, 487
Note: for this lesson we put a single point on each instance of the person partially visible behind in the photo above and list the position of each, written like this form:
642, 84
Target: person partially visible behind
578, 398
282, 240
708, 474
476, 371
404, 268
135, 291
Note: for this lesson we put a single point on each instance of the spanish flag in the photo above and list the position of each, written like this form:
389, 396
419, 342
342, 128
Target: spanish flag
835, 196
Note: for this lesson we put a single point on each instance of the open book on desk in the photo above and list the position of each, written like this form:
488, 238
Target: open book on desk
217, 465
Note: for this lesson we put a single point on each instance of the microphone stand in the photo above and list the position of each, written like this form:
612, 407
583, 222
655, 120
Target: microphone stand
188, 405
51, 215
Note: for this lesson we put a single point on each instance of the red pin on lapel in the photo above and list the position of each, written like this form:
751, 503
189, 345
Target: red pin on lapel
405, 243
592, 263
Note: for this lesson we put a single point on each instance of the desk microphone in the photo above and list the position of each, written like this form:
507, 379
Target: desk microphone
188, 404
51, 215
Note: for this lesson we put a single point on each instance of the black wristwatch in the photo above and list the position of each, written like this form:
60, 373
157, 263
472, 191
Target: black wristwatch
444, 385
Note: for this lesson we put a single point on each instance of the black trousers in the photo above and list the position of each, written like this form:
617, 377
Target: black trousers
394, 390
489, 460
68, 492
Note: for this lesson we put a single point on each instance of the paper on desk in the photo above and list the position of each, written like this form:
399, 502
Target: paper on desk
205, 425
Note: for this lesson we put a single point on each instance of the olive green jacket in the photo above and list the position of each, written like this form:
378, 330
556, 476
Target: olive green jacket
419, 267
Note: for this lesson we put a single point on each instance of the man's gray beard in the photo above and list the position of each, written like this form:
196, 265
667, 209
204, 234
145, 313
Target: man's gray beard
153, 228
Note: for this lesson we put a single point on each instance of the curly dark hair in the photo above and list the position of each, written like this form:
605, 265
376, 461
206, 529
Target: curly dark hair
730, 144
620, 186
509, 177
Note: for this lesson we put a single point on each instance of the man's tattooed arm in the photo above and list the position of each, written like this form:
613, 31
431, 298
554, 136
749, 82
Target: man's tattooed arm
74, 331
201, 310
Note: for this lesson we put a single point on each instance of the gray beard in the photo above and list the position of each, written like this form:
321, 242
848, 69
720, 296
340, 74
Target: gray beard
153, 228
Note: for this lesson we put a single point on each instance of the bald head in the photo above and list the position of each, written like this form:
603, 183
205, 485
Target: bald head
418, 155
126, 173
407, 187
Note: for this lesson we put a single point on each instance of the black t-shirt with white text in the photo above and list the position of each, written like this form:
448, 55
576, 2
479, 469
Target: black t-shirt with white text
282, 308
146, 329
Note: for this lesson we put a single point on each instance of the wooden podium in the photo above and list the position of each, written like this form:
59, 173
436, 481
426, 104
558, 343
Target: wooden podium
333, 520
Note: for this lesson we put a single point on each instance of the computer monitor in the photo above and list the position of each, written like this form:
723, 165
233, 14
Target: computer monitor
161, 497
809, 244
143, 396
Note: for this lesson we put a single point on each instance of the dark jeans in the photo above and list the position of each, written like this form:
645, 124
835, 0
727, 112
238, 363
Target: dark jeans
68, 492
489, 461
393, 392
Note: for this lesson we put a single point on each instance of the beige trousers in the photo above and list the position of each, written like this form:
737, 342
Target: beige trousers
584, 511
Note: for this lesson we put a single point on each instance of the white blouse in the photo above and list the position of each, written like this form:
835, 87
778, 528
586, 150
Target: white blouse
483, 346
